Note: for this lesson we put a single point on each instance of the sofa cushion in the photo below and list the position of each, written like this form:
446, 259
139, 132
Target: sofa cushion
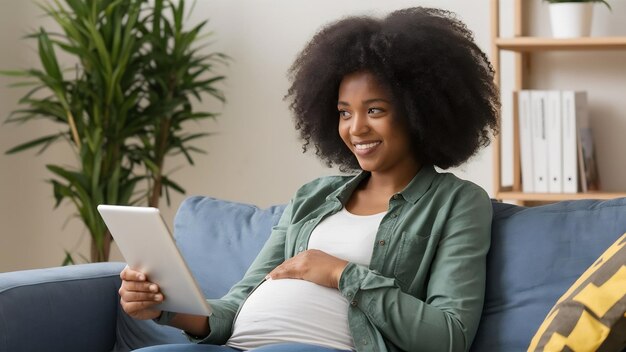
220, 239
536, 254
59, 309
590, 315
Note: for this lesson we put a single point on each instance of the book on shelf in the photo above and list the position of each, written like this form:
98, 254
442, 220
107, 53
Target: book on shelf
556, 143
538, 111
526, 142
588, 169
554, 132
573, 103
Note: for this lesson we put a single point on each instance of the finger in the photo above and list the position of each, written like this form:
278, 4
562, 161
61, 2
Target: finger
132, 275
141, 286
274, 274
282, 272
271, 275
133, 307
132, 296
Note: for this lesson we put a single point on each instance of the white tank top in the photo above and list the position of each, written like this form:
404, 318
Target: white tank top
291, 310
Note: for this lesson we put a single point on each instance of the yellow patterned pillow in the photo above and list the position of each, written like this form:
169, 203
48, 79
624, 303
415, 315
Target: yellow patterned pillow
591, 315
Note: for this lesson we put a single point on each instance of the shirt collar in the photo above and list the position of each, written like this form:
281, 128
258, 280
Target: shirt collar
412, 192
344, 192
419, 184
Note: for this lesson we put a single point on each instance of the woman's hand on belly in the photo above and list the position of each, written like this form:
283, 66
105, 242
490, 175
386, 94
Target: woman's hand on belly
312, 265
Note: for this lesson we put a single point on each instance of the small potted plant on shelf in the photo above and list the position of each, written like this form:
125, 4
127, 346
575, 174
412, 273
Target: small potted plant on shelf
572, 18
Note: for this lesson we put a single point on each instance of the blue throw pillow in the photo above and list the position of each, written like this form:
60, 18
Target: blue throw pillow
220, 239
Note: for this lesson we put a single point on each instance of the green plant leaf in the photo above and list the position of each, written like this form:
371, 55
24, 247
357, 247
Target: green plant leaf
127, 189
24, 84
78, 181
113, 186
48, 57
68, 259
167, 182
95, 176
60, 192
151, 166
15, 73
42, 142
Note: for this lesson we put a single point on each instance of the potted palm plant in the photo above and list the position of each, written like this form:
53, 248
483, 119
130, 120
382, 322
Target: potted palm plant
121, 105
572, 18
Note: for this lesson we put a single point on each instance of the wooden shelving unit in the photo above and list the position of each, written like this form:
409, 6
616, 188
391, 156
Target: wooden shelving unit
556, 197
530, 44
523, 46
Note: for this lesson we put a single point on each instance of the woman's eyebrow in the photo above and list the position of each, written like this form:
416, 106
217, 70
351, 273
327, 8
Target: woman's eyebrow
368, 101
376, 100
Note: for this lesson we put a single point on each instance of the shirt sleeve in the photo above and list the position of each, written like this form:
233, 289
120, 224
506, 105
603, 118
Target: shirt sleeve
447, 319
225, 309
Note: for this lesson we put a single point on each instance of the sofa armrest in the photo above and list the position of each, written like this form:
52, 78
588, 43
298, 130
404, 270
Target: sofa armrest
72, 308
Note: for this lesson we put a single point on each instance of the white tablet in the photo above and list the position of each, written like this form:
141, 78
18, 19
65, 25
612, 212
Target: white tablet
147, 245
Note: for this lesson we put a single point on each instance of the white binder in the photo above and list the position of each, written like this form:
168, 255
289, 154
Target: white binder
575, 116
526, 146
555, 142
538, 105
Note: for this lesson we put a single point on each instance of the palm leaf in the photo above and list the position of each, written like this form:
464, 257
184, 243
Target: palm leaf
48, 57
42, 142
68, 259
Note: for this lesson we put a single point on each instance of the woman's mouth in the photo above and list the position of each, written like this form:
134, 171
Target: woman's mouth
365, 148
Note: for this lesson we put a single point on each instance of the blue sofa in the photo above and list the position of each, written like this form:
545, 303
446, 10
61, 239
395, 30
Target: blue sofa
536, 253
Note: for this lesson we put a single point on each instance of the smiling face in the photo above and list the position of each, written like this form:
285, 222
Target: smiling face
369, 127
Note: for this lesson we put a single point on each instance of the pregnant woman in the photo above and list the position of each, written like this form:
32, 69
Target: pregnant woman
391, 257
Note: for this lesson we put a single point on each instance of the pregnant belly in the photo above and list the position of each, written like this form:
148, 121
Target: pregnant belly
290, 310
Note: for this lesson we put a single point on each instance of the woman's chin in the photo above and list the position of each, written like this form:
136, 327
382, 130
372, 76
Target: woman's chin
367, 166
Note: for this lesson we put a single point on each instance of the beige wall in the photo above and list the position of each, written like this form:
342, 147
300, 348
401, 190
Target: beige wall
255, 156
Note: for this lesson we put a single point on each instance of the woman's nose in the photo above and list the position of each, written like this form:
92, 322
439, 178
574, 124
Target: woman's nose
359, 124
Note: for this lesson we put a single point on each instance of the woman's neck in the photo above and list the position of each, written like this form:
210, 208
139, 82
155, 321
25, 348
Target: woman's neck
390, 183
372, 195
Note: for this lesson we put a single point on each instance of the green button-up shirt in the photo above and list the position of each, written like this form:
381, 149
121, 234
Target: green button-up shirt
424, 287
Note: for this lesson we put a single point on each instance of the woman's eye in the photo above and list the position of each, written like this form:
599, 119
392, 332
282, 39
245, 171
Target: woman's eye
374, 111
344, 114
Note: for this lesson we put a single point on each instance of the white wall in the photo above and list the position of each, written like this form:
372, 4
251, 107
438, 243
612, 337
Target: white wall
255, 156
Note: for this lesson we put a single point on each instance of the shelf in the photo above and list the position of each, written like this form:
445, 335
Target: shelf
556, 197
527, 44
523, 46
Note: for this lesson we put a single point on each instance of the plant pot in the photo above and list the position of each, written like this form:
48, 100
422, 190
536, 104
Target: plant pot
571, 20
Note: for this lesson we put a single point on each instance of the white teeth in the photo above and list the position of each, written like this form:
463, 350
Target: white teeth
366, 146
